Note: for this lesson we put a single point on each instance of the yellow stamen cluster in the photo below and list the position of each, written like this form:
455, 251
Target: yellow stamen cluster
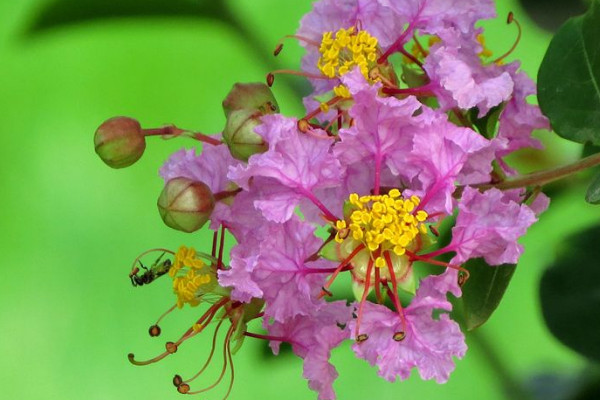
341, 51
186, 285
383, 222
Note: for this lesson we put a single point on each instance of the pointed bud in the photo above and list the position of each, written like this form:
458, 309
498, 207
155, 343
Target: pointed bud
120, 142
239, 134
185, 204
250, 96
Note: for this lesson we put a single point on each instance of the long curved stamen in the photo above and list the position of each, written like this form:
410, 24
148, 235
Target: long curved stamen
319, 110
232, 376
279, 45
221, 247
411, 57
399, 308
363, 301
339, 268
213, 251
225, 359
212, 352
155, 329
271, 75
510, 19
428, 260
422, 50
394, 296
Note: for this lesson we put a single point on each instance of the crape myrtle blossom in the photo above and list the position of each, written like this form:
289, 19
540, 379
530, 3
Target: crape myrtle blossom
425, 343
356, 189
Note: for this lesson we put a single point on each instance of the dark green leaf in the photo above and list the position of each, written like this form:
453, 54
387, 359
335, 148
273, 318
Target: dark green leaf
63, 12
484, 290
486, 125
593, 193
569, 78
570, 294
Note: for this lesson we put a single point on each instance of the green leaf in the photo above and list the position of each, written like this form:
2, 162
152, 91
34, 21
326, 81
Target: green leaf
64, 12
569, 78
570, 294
593, 193
487, 124
483, 290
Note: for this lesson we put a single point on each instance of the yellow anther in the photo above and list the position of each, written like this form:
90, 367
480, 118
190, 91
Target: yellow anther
421, 215
342, 91
324, 107
380, 262
366, 217
354, 199
189, 274
340, 224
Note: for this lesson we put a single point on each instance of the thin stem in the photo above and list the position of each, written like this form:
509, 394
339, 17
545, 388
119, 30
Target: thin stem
544, 177
424, 90
172, 130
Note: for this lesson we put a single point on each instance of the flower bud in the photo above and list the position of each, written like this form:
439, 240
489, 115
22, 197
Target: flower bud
185, 204
250, 96
120, 142
239, 134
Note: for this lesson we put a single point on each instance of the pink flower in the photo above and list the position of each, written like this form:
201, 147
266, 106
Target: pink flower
275, 268
381, 137
519, 118
463, 80
313, 336
291, 169
210, 166
440, 151
424, 342
332, 15
434, 16
488, 225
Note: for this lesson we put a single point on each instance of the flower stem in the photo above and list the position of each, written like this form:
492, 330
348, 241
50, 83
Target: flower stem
541, 178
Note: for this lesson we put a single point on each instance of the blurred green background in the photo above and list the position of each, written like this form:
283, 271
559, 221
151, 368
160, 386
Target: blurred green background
71, 226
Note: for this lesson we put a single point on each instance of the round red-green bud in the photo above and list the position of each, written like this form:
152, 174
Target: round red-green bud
251, 96
239, 134
185, 204
120, 142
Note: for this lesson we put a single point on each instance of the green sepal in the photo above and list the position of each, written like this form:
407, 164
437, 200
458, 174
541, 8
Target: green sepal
331, 251
409, 283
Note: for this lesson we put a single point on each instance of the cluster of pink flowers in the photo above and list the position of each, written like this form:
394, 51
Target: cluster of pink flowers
408, 124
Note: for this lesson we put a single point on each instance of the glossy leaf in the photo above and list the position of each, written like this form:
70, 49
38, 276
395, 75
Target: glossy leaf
63, 12
570, 294
483, 290
569, 78
593, 193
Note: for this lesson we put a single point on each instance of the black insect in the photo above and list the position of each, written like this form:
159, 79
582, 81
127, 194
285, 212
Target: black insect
155, 271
